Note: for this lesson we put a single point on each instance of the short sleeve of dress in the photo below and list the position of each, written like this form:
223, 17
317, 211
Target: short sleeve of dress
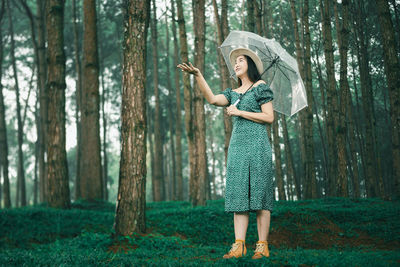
227, 94
263, 94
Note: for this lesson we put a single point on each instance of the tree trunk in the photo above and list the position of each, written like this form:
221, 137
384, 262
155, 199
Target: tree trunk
222, 32
358, 134
150, 132
251, 25
104, 96
131, 201
78, 96
91, 170
3, 130
187, 96
171, 121
158, 182
300, 60
332, 97
368, 107
42, 76
343, 40
105, 143
311, 190
278, 162
178, 127
199, 128
21, 190
258, 14
392, 70
57, 170
291, 173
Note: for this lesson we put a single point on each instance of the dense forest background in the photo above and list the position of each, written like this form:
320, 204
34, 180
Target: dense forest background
306, 165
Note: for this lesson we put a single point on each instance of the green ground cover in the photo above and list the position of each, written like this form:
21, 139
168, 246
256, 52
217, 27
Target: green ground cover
323, 232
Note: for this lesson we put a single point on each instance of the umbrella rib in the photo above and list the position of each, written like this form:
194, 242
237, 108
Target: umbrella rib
283, 73
262, 52
286, 68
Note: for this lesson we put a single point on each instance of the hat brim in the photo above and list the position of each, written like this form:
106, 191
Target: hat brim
245, 51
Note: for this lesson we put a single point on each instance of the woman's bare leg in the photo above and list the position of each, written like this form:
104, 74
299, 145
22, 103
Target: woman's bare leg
241, 221
263, 222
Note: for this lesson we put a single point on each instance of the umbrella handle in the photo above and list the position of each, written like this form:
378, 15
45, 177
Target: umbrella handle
237, 102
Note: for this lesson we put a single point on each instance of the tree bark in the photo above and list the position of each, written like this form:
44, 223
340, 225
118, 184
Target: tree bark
131, 200
251, 24
91, 170
178, 126
278, 161
343, 41
311, 190
392, 70
57, 169
222, 32
371, 172
300, 122
291, 174
42, 76
187, 95
332, 96
198, 196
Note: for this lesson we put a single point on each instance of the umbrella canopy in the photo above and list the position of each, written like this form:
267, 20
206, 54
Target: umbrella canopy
280, 70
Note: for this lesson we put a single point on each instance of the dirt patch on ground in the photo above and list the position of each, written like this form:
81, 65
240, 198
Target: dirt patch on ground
319, 232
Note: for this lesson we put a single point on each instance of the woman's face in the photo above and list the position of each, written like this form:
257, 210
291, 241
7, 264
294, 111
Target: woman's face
241, 66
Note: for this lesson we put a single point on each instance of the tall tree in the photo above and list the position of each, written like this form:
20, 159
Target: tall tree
104, 96
21, 190
91, 171
343, 41
300, 60
371, 172
311, 189
332, 96
392, 70
78, 97
38, 65
178, 127
187, 93
278, 162
42, 76
57, 169
3, 128
170, 105
251, 23
291, 174
158, 182
222, 33
131, 201
306, 115
198, 193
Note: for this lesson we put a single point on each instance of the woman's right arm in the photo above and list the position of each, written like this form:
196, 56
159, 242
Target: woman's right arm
217, 100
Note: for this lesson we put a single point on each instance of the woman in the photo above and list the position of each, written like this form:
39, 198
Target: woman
249, 182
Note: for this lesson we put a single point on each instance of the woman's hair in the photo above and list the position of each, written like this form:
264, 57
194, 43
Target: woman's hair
252, 71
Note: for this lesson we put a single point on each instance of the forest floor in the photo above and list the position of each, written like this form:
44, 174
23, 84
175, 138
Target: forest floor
323, 232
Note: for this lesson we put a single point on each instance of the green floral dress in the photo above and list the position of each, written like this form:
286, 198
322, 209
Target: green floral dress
249, 175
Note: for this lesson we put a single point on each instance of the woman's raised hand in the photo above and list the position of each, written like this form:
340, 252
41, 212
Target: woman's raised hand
189, 68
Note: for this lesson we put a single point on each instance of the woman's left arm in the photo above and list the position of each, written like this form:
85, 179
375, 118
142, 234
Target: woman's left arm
266, 116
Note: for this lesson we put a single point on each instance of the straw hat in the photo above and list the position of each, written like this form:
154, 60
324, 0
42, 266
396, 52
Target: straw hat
245, 51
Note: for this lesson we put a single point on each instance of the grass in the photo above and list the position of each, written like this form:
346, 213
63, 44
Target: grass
323, 232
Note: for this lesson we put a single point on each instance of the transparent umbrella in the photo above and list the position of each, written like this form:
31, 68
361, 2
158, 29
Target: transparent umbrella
280, 70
